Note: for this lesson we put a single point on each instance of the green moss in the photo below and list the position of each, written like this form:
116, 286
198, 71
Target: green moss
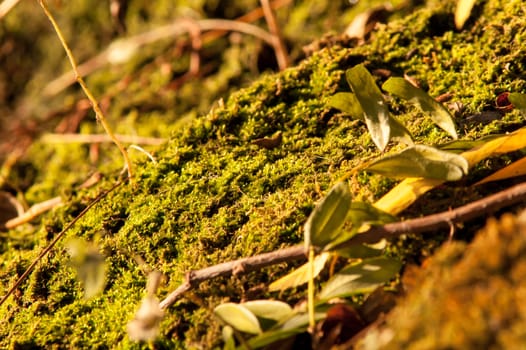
214, 196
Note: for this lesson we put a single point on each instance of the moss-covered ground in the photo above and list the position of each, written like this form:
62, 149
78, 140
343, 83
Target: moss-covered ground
213, 195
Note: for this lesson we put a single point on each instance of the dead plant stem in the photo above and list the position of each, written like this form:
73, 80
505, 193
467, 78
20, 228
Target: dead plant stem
93, 101
484, 206
33, 212
46, 250
278, 44
100, 138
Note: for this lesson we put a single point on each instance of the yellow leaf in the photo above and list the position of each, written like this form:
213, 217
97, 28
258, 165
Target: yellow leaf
504, 144
300, 275
515, 169
409, 190
462, 12
405, 193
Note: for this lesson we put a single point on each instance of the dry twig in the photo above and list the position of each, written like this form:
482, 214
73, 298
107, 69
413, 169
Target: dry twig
95, 105
433, 222
278, 45
100, 138
46, 250
236, 267
33, 212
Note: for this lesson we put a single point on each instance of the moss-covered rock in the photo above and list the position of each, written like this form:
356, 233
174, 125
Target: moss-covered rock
214, 195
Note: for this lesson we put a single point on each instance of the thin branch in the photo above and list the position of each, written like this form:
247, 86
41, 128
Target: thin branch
46, 250
484, 206
33, 212
143, 151
236, 267
42, 207
98, 112
195, 58
278, 45
100, 138
249, 17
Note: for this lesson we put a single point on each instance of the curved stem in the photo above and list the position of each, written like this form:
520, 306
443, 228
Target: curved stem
93, 101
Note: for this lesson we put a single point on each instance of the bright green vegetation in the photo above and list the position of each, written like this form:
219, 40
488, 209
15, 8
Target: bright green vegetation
214, 196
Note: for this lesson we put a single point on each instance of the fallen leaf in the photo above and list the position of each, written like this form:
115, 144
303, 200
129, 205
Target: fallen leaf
404, 194
340, 325
10, 208
421, 161
402, 88
324, 223
410, 189
269, 142
503, 103
515, 169
364, 22
300, 275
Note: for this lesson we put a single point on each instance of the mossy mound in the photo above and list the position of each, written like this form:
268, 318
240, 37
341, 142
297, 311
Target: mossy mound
467, 296
214, 195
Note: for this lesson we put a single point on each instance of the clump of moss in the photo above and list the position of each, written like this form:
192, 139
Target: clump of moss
214, 195
467, 296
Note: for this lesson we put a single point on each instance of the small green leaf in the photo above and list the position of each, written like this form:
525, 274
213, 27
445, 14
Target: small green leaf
348, 103
301, 320
399, 132
365, 213
296, 324
300, 275
326, 220
228, 338
362, 277
440, 115
422, 161
361, 214
518, 101
89, 264
269, 309
359, 251
458, 146
239, 317
372, 102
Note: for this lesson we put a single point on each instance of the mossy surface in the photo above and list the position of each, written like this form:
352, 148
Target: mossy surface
213, 195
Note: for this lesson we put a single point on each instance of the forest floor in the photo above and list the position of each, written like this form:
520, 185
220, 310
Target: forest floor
228, 123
